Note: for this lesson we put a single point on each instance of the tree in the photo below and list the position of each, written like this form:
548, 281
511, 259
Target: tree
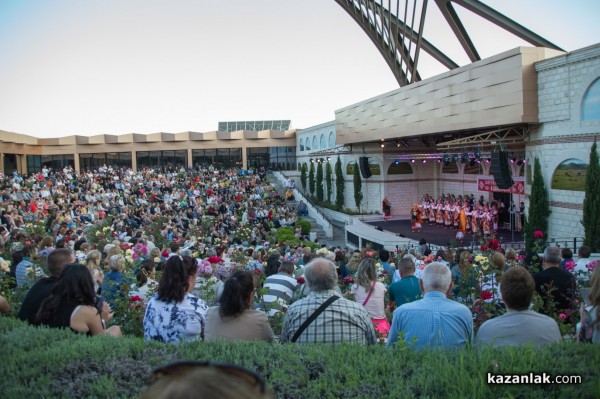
303, 171
539, 210
311, 179
328, 180
591, 203
357, 188
320, 181
339, 185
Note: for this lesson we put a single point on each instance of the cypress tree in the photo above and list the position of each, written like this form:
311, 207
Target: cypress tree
311, 178
328, 180
339, 185
320, 181
539, 209
303, 171
357, 187
591, 203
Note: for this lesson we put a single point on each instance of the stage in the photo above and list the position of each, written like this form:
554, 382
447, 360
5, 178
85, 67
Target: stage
438, 235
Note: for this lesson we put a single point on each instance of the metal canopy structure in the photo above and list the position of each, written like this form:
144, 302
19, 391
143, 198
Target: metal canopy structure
397, 31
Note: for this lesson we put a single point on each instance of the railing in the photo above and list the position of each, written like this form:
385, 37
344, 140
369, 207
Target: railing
320, 218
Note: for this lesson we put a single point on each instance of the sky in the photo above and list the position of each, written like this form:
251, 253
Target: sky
72, 67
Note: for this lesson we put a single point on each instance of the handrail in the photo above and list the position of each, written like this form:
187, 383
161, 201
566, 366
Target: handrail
309, 201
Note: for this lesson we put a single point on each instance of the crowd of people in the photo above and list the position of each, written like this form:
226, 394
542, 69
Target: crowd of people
80, 243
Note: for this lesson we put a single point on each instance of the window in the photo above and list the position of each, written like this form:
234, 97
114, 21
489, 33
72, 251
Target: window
452, 167
301, 144
308, 147
375, 168
34, 164
590, 107
315, 144
323, 143
350, 168
400, 168
473, 168
331, 140
570, 175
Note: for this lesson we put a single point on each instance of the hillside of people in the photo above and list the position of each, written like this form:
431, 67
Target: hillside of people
110, 274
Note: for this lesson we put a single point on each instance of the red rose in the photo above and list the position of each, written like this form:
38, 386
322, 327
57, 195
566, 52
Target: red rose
538, 234
494, 245
136, 298
300, 280
348, 280
484, 248
486, 295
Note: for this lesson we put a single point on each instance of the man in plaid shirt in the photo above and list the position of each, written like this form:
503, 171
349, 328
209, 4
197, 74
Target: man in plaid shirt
341, 321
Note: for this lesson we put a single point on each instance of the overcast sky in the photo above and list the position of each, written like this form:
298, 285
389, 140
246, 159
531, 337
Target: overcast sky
123, 66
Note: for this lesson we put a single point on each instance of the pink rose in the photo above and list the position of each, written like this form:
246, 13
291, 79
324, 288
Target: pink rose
563, 316
538, 234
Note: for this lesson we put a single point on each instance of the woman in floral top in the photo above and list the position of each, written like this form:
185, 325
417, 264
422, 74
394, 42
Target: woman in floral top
173, 314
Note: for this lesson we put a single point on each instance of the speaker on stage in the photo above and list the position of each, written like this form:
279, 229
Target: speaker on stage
365, 171
500, 170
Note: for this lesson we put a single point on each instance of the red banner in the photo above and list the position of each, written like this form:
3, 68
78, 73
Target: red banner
489, 185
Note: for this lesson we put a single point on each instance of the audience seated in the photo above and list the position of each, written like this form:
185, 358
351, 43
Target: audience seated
341, 321
42, 289
519, 325
434, 321
174, 315
555, 286
234, 318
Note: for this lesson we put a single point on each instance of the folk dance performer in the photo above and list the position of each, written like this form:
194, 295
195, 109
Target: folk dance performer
415, 218
439, 214
432, 209
462, 225
447, 215
387, 208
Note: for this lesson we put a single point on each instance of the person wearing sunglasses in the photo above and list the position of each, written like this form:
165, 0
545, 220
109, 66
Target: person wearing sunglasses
173, 314
235, 318
197, 379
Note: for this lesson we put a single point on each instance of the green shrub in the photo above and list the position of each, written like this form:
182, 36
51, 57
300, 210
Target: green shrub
304, 225
57, 363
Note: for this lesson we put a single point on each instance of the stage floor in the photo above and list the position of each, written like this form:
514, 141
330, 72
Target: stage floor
437, 235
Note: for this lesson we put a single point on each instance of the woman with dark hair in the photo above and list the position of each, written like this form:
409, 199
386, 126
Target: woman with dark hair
173, 314
73, 304
235, 318
145, 280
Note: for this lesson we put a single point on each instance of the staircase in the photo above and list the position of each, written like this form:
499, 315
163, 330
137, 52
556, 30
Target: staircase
316, 229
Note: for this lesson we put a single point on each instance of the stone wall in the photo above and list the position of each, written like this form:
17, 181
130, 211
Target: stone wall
562, 135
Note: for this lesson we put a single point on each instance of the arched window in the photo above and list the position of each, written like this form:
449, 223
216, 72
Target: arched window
473, 168
308, 148
350, 168
331, 140
375, 168
301, 144
315, 144
452, 167
590, 106
570, 175
400, 168
322, 142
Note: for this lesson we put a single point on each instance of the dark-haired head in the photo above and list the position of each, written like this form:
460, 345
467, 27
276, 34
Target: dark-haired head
237, 294
75, 285
179, 273
58, 259
146, 270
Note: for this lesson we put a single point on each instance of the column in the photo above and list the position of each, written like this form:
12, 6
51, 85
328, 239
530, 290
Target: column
76, 163
189, 158
244, 157
134, 161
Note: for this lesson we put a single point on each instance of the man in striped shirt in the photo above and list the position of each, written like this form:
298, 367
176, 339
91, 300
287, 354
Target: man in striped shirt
281, 289
342, 321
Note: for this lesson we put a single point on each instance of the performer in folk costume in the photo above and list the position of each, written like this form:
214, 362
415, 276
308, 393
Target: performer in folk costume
462, 225
387, 208
439, 213
425, 209
495, 217
468, 215
432, 211
474, 221
486, 220
455, 213
447, 215
415, 218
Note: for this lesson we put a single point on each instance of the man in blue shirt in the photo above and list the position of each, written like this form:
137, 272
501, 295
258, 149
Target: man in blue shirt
434, 321
407, 289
